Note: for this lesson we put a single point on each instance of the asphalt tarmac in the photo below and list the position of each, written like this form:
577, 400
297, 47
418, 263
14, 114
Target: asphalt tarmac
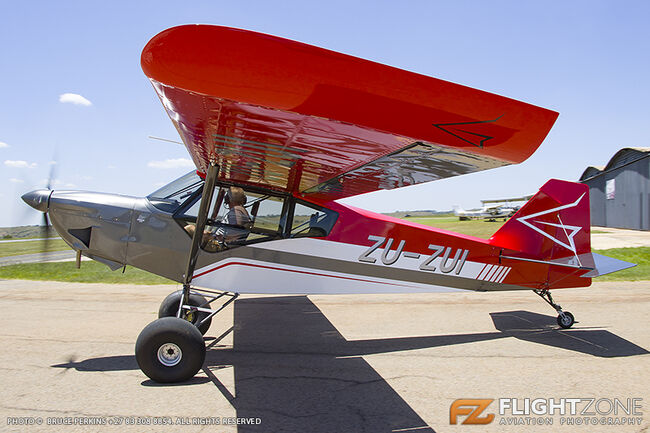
389, 363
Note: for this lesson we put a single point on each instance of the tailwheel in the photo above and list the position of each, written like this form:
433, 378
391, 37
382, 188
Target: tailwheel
565, 319
201, 319
170, 349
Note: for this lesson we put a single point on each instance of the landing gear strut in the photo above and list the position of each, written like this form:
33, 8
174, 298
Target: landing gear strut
564, 318
171, 349
198, 318
198, 310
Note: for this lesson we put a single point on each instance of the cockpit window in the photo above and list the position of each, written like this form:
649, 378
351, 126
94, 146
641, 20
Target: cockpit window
239, 216
236, 217
171, 196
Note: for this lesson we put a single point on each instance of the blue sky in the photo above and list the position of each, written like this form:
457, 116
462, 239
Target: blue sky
588, 60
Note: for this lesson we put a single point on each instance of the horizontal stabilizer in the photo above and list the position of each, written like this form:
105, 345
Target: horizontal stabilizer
604, 265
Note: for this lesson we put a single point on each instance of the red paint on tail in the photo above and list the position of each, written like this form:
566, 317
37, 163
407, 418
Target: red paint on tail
553, 224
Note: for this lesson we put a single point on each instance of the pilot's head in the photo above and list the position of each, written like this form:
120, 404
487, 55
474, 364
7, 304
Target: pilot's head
235, 196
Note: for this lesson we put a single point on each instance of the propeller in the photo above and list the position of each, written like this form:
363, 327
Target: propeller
46, 221
39, 199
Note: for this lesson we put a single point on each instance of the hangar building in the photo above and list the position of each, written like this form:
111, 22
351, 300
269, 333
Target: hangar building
620, 192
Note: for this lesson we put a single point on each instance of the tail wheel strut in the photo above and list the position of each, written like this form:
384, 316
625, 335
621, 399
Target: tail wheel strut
564, 318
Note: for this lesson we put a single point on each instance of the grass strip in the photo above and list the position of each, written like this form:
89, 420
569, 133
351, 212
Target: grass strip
90, 272
32, 247
639, 255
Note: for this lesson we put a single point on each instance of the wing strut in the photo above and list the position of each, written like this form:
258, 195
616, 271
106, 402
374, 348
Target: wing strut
201, 219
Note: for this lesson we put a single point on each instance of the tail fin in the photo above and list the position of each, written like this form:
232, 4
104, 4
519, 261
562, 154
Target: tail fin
554, 224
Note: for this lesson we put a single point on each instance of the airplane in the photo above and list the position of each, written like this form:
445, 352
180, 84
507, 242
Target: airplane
489, 213
466, 215
279, 131
502, 208
506, 207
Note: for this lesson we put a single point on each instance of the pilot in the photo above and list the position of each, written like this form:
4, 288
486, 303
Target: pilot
237, 219
237, 215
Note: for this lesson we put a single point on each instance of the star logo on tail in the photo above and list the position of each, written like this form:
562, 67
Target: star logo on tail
569, 231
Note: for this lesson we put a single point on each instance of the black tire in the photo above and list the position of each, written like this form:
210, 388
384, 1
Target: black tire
565, 320
169, 308
159, 344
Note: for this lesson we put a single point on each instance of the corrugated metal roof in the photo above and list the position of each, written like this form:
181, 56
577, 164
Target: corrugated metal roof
591, 171
624, 156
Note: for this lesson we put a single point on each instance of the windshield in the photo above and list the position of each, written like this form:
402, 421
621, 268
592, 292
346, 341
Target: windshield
169, 197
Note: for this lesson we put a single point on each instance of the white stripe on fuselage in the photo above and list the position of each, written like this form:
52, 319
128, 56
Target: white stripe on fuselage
256, 276
253, 276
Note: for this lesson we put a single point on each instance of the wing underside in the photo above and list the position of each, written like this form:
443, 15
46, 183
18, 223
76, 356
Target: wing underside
297, 118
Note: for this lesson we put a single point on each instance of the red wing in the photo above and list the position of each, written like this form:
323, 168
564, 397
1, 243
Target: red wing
302, 119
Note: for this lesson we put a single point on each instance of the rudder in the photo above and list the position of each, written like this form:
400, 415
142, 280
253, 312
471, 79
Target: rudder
553, 224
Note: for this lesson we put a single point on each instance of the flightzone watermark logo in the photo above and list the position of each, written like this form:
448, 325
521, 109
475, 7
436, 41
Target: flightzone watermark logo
547, 411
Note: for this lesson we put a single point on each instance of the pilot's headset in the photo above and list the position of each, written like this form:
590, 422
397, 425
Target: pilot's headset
235, 195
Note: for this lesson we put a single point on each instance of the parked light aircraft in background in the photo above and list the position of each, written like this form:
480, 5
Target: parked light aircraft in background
491, 210
278, 131
488, 213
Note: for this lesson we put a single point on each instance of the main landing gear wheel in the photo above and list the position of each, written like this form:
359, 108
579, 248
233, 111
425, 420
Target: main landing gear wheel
565, 320
170, 350
169, 308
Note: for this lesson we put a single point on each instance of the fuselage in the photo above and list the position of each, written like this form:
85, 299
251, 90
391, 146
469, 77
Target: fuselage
355, 251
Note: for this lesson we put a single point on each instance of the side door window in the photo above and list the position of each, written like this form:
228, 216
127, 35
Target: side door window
311, 221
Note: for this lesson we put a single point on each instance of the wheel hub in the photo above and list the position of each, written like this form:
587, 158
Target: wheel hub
169, 354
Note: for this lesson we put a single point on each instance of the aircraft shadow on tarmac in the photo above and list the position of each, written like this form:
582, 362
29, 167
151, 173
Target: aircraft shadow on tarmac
296, 372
